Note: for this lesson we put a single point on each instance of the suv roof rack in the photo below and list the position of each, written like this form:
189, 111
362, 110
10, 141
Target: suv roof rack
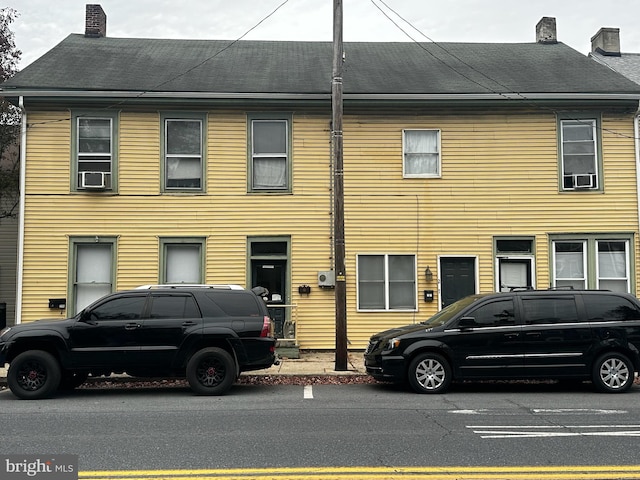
229, 286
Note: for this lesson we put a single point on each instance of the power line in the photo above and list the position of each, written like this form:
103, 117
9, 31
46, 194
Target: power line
219, 52
521, 96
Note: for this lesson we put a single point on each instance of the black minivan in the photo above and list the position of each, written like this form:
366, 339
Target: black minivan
529, 334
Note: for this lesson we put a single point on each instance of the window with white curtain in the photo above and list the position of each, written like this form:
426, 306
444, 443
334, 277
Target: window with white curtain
592, 262
270, 155
183, 153
93, 276
570, 264
613, 265
421, 153
182, 261
386, 282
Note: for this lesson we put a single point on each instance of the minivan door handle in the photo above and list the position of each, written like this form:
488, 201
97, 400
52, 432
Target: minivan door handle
189, 323
512, 335
534, 334
131, 326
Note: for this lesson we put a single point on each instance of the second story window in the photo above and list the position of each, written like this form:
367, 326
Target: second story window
183, 158
579, 154
269, 155
94, 149
421, 151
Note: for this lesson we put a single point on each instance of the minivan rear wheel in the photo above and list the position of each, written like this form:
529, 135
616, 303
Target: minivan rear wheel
613, 373
211, 371
429, 373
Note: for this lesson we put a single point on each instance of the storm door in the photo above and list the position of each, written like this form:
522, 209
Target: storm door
269, 269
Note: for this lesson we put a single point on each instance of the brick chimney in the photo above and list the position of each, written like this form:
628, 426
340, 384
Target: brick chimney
546, 30
96, 22
606, 42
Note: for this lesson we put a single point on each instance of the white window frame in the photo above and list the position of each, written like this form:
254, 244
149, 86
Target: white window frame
577, 178
284, 156
600, 279
405, 153
387, 282
590, 258
166, 156
585, 272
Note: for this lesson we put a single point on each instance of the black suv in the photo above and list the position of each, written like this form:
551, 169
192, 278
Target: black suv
206, 333
552, 334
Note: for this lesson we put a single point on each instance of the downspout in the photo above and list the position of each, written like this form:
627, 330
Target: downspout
636, 133
23, 171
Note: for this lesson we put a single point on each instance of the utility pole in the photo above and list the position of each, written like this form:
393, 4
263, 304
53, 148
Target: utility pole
338, 193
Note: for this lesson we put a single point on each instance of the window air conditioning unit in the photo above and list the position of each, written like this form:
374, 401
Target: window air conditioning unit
327, 279
92, 180
583, 180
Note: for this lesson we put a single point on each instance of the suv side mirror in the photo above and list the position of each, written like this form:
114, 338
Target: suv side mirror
467, 322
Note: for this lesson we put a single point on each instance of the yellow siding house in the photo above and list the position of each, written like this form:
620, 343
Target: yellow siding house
468, 168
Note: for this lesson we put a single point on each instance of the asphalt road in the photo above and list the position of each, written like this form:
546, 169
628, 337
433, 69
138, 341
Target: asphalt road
257, 426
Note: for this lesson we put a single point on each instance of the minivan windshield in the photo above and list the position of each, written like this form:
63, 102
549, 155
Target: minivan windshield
450, 311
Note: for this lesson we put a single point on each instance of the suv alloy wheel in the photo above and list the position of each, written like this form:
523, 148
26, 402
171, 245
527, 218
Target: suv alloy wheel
211, 371
34, 374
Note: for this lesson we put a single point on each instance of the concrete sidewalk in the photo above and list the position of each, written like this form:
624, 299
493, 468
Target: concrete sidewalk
316, 363
309, 363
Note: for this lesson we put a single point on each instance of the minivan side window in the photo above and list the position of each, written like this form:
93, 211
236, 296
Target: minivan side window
494, 314
545, 310
609, 308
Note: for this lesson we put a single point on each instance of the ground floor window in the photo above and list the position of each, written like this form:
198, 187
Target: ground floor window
592, 262
92, 270
386, 282
182, 260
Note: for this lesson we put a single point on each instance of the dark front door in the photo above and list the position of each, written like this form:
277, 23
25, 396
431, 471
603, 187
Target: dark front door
458, 278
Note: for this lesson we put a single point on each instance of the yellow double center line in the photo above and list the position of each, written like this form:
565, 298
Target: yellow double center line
600, 472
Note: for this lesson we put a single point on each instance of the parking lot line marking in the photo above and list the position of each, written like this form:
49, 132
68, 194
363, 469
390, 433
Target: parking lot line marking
537, 431
308, 391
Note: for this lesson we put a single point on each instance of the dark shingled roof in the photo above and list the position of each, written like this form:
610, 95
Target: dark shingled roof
267, 67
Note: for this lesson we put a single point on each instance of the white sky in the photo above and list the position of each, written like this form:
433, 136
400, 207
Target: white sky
44, 23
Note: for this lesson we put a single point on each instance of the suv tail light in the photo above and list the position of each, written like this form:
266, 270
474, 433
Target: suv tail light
267, 327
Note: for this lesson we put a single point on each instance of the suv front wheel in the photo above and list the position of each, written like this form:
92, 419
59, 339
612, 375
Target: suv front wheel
34, 374
211, 371
613, 373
